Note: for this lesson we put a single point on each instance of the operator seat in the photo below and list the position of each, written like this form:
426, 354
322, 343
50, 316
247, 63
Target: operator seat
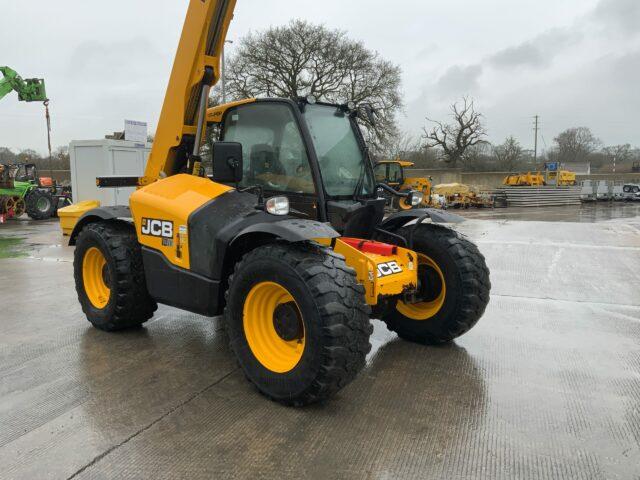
264, 163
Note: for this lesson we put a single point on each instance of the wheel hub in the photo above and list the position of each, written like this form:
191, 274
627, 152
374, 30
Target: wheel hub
96, 277
273, 327
42, 205
287, 322
429, 283
432, 291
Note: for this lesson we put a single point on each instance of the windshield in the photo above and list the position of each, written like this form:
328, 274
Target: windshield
343, 164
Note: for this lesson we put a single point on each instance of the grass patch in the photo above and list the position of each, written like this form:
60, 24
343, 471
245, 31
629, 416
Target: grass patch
12, 247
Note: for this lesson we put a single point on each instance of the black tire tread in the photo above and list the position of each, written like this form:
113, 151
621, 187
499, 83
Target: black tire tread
134, 306
31, 201
475, 286
343, 309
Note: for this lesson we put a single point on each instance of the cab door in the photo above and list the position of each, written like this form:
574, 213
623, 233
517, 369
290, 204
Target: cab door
274, 153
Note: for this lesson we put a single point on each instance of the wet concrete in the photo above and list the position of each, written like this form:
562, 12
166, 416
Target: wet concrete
585, 213
546, 386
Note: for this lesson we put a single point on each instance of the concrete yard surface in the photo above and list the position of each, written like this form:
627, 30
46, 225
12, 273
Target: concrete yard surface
546, 386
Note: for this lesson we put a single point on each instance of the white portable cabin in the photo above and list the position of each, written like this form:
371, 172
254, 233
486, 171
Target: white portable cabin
587, 191
103, 158
617, 192
603, 190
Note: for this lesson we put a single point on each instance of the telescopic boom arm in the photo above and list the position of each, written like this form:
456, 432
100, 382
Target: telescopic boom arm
196, 69
29, 90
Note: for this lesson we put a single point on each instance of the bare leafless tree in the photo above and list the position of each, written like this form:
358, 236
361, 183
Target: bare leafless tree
508, 155
575, 144
301, 59
455, 138
478, 158
622, 153
401, 146
59, 158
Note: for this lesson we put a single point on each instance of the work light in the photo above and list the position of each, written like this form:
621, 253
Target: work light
277, 206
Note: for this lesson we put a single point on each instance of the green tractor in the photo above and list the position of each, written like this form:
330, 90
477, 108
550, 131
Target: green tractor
21, 193
20, 187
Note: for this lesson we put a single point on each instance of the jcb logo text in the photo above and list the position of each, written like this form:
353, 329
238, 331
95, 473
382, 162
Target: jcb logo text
157, 228
390, 268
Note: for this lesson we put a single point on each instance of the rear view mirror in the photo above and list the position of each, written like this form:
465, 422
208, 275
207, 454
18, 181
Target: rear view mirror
227, 162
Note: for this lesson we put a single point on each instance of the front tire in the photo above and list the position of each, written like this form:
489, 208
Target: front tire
297, 322
454, 286
109, 276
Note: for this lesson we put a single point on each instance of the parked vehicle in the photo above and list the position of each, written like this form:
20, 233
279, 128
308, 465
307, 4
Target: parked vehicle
631, 193
392, 173
23, 191
61, 194
287, 239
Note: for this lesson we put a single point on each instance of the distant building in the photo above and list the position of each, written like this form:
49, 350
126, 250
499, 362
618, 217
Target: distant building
580, 168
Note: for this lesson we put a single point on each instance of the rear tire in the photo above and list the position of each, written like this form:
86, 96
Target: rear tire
40, 205
456, 271
109, 276
328, 339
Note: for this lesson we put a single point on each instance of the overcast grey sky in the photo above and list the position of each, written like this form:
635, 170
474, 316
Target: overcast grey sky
573, 62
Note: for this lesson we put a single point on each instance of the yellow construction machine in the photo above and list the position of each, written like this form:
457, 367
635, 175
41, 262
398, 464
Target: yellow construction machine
524, 180
287, 238
561, 178
392, 173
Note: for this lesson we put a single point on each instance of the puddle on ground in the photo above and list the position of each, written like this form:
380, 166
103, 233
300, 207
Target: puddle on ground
12, 247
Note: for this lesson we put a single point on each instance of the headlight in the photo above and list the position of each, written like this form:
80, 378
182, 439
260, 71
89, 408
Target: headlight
277, 206
415, 198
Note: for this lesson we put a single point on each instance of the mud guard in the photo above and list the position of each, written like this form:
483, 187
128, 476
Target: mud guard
292, 230
101, 213
399, 219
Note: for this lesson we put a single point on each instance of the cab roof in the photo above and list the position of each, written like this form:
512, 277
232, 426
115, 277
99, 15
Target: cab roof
402, 163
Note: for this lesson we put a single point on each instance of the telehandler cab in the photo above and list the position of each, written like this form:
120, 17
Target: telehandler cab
287, 238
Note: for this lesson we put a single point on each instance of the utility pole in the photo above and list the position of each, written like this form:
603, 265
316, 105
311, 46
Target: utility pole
48, 118
535, 148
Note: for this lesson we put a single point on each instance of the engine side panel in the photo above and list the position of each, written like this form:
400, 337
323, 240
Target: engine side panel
213, 226
180, 288
162, 209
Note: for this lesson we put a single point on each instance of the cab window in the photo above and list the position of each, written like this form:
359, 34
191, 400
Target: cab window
273, 150
395, 173
380, 172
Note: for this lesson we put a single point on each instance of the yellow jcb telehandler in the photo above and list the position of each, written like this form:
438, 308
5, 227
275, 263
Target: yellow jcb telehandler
392, 173
524, 180
286, 238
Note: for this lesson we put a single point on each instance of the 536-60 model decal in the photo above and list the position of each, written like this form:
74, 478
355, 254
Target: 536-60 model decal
157, 228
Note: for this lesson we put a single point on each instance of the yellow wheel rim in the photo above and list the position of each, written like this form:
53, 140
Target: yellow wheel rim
94, 267
425, 310
275, 352
404, 205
